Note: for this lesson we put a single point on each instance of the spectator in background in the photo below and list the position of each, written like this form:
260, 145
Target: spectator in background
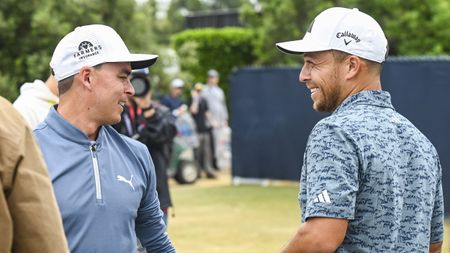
29, 217
35, 100
199, 109
105, 182
173, 99
215, 98
371, 181
141, 84
154, 126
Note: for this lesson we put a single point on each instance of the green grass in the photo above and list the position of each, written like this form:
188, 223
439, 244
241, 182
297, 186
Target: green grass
243, 219
446, 248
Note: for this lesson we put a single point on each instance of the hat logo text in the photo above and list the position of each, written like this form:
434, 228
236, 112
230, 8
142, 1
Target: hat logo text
86, 49
349, 35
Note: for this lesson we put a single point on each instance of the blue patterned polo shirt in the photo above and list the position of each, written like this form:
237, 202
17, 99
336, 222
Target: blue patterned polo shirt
368, 164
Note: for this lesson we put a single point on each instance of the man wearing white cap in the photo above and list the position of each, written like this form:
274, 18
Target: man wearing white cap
215, 98
173, 100
371, 181
104, 183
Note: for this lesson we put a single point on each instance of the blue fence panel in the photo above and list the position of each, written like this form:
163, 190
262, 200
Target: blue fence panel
272, 115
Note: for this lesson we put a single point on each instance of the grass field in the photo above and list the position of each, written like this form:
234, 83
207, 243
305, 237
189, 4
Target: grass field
215, 217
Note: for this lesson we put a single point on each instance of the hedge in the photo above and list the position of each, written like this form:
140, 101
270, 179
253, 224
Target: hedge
223, 49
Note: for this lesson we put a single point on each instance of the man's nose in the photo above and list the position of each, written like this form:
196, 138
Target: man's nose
304, 75
129, 89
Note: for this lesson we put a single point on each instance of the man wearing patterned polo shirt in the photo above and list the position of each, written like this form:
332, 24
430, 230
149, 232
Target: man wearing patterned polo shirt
371, 181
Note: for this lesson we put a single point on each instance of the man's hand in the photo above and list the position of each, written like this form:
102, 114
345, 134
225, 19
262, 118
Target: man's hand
195, 94
149, 113
436, 247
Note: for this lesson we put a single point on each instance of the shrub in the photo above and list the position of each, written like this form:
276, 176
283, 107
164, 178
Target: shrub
223, 49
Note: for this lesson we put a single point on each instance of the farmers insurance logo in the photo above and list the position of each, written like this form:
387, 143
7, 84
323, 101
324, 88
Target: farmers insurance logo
347, 37
86, 49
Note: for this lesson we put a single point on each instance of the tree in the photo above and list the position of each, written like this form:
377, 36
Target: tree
412, 27
174, 21
25, 40
224, 4
418, 27
279, 20
223, 49
30, 30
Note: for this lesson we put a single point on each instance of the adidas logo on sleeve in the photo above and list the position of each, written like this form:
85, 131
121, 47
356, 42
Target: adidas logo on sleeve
323, 197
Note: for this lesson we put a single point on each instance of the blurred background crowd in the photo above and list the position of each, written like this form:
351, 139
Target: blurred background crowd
193, 36
181, 110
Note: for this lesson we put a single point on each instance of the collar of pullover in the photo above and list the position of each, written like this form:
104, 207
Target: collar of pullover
68, 131
378, 98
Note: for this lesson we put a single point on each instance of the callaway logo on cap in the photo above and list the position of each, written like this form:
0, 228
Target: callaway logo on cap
91, 45
346, 30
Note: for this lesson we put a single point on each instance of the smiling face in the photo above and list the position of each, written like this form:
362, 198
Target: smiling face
111, 88
323, 77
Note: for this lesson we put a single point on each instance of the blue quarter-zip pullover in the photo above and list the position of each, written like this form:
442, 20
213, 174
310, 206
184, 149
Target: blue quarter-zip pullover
106, 189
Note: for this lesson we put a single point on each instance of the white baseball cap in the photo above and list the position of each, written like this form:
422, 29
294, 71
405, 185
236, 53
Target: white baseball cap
342, 29
177, 83
213, 73
91, 45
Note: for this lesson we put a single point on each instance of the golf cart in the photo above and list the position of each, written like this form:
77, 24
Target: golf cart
183, 166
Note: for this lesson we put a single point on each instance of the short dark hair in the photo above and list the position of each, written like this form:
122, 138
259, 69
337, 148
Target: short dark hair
65, 84
340, 56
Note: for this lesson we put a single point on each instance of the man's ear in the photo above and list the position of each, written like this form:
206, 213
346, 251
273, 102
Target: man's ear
353, 66
86, 77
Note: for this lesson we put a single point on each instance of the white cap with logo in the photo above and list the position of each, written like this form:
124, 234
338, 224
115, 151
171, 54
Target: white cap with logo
342, 29
91, 45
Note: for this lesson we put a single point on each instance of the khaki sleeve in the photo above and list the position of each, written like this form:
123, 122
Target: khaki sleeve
5, 220
37, 223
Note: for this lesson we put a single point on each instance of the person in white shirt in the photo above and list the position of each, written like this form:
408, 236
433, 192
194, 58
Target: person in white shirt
216, 100
220, 136
35, 100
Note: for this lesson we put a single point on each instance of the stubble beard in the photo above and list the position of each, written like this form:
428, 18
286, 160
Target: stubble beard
330, 101
331, 96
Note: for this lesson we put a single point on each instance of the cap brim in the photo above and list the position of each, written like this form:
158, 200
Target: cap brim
300, 47
139, 61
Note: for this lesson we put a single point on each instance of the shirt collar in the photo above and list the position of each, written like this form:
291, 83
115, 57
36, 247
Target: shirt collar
68, 131
378, 98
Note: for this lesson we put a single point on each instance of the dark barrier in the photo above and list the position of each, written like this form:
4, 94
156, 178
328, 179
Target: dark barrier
272, 115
